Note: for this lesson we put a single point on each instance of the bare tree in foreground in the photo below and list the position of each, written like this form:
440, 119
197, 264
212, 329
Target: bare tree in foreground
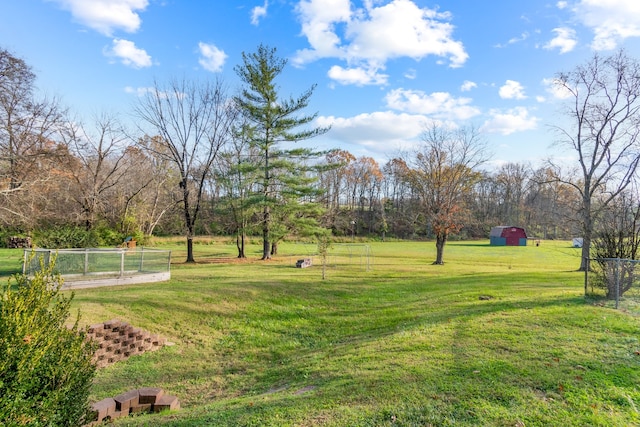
193, 121
604, 107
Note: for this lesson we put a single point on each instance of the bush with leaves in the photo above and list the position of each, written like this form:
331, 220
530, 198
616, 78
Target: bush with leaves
69, 236
45, 366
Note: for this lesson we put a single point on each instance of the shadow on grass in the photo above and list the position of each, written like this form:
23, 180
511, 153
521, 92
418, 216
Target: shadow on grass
7, 271
359, 346
10, 262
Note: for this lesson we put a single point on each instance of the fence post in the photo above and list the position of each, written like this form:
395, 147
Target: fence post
586, 276
122, 263
617, 282
86, 261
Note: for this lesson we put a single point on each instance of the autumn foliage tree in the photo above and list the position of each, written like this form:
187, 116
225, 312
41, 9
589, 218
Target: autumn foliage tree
334, 182
443, 171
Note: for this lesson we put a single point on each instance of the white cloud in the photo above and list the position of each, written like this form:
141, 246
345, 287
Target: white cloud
515, 120
522, 37
106, 16
411, 74
368, 37
319, 19
259, 12
511, 90
139, 91
144, 91
565, 40
438, 104
562, 5
357, 76
467, 85
211, 59
127, 52
612, 21
401, 28
381, 132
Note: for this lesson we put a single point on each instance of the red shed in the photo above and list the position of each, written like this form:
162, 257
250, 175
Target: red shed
508, 236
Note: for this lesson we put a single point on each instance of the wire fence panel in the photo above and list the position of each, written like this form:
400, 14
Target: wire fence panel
80, 264
618, 278
346, 256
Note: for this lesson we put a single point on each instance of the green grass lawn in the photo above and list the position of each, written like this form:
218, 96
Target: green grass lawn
498, 336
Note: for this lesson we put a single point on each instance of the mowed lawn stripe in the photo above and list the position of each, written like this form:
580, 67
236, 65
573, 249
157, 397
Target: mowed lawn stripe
496, 336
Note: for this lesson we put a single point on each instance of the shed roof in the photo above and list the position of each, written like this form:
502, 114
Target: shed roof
497, 230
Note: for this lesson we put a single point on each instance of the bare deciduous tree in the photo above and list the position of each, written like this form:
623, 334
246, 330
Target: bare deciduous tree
512, 179
193, 121
159, 197
28, 155
100, 157
237, 177
604, 108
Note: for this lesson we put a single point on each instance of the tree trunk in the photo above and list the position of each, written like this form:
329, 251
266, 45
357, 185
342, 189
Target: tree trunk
266, 247
274, 248
189, 221
587, 230
441, 239
190, 249
240, 241
586, 245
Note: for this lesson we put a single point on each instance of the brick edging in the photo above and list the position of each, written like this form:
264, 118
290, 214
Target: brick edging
117, 340
147, 399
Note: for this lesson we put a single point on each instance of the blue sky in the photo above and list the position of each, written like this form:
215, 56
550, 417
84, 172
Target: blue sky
383, 68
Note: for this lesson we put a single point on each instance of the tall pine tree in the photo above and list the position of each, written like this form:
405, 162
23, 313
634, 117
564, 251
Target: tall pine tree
286, 193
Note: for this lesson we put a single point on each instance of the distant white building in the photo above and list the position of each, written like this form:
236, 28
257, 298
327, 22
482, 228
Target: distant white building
577, 242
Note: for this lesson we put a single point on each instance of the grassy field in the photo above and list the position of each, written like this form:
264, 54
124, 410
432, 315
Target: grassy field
498, 336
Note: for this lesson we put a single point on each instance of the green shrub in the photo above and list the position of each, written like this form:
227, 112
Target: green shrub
69, 236
105, 236
45, 367
59, 237
4, 237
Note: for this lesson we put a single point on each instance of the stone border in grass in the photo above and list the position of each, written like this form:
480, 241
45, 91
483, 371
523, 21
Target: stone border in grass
148, 399
118, 340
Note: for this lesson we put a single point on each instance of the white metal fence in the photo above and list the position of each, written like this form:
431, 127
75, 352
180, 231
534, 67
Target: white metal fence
91, 264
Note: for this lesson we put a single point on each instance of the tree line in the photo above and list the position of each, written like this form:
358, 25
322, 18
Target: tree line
203, 160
